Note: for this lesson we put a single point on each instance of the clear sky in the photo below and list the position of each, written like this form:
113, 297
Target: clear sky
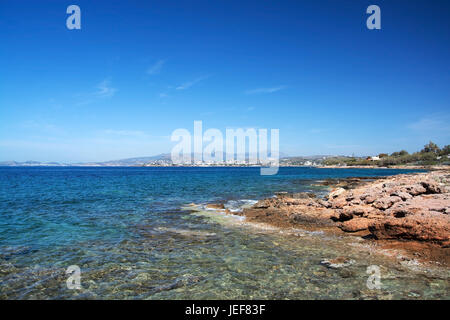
137, 70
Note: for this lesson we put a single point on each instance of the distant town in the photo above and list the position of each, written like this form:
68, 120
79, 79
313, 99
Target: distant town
430, 155
164, 160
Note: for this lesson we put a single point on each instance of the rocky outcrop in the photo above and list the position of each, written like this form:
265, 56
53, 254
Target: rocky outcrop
413, 207
433, 227
354, 225
215, 206
404, 207
336, 193
285, 211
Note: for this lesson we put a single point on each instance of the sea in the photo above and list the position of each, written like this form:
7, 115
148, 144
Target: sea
146, 233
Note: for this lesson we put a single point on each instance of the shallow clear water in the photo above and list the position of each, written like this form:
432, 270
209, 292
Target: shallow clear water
133, 237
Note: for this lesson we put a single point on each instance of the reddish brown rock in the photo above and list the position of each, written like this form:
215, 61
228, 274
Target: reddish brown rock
323, 203
402, 195
335, 193
356, 224
338, 203
215, 206
386, 202
432, 187
369, 198
415, 189
433, 227
359, 210
262, 204
319, 216
403, 207
344, 215
421, 205
304, 195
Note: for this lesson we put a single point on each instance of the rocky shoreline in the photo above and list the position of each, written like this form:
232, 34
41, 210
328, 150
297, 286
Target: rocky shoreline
409, 212
374, 166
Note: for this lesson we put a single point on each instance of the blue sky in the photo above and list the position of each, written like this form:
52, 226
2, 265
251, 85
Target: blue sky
137, 70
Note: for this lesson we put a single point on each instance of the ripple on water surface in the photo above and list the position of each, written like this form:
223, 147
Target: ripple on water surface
132, 235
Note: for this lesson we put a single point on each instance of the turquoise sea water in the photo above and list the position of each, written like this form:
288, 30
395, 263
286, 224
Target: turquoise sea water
133, 237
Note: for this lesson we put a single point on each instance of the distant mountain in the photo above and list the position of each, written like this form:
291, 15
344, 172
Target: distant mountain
31, 164
127, 162
8, 163
139, 161
113, 163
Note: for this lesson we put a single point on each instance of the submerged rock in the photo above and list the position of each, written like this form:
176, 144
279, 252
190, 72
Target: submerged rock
215, 206
338, 263
188, 232
177, 283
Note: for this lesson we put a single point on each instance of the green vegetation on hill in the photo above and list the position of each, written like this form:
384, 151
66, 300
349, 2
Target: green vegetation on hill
431, 154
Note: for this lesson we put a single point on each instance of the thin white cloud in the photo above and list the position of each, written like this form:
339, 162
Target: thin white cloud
156, 68
104, 89
189, 84
41, 126
265, 90
125, 133
432, 123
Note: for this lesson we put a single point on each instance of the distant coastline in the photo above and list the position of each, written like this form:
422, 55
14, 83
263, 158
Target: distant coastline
424, 167
430, 157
